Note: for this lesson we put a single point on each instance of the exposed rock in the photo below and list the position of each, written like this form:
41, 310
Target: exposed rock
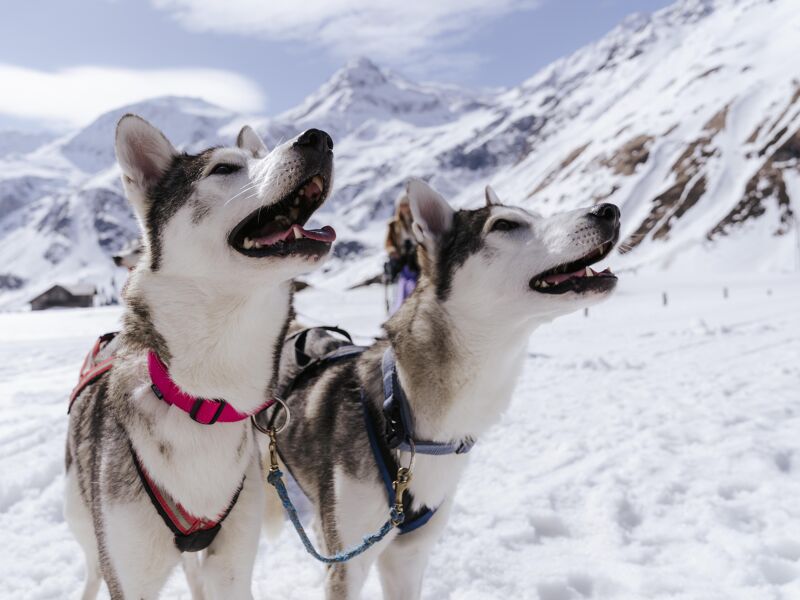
689, 186
631, 154
346, 249
551, 176
768, 183
9, 281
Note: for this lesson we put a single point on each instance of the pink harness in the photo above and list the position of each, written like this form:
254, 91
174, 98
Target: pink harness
192, 533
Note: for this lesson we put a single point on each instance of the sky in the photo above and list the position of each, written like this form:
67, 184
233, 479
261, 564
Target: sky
64, 63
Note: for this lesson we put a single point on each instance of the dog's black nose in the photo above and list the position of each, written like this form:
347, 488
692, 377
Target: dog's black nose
316, 139
606, 212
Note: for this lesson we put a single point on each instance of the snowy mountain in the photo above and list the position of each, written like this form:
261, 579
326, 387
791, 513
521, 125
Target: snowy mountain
688, 119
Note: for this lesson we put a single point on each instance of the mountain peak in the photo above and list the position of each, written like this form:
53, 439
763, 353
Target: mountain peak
363, 91
359, 73
361, 63
183, 119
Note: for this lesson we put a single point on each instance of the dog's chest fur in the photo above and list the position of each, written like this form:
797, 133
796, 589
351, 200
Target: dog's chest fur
221, 345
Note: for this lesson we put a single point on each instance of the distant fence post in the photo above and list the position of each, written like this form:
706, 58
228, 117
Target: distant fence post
725, 292
664, 298
585, 312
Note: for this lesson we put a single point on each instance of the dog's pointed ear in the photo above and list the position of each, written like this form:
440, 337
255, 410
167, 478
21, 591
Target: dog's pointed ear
143, 152
432, 215
491, 196
250, 141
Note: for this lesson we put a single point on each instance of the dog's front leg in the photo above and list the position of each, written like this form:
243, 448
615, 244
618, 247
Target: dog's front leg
140, 550
402, 565
348, 512
190, 561
227, 570
344, 581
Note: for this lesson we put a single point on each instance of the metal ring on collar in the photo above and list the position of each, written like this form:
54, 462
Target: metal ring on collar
286, 422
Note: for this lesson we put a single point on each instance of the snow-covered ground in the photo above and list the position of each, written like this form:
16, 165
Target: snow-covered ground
650, 452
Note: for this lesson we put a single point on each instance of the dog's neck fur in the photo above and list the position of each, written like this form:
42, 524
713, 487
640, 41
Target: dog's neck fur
457, 368
218, 340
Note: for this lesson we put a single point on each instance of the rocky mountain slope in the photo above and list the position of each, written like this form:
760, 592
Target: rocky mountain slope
689, 119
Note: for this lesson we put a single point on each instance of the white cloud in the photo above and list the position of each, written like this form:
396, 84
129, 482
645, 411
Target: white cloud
393, 31
74, 96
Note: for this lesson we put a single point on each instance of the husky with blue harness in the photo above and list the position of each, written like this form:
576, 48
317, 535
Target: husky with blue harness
377, 437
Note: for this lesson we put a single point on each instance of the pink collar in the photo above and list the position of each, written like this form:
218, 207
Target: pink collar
205, 412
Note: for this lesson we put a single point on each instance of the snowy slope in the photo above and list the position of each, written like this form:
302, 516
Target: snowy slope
689, 119
62, 212
649, 453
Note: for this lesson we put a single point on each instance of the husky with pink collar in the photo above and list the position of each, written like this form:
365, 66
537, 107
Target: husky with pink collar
161, 456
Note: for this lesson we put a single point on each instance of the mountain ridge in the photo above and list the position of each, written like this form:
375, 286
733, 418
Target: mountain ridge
686, 118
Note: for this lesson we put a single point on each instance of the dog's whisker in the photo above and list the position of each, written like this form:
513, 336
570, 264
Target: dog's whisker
238, 196
244, 198
245, 189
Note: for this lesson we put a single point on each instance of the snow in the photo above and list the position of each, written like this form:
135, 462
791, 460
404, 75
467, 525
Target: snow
650, 452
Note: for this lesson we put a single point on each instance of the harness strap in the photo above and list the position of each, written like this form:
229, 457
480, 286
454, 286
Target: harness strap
412, 520
91, 371
192, 533
308, 363
399, 433
300, 341
400, 422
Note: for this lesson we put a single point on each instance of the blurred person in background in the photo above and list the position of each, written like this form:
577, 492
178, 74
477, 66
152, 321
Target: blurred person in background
401, 246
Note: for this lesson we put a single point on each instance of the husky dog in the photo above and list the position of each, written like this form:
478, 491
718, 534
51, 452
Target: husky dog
211, 299
489, 277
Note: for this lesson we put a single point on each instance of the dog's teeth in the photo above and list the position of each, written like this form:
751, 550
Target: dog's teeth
298, 235
318, 181
545, 284
296, 201
589, 272
248, 243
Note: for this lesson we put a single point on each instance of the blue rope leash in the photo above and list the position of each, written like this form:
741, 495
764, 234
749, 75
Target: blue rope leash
275, 477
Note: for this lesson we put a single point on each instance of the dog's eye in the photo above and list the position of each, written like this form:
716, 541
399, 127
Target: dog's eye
504, 225
224, 169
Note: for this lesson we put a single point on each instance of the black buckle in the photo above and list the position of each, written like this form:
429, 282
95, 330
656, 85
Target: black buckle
196, 408
465, 445
394, 432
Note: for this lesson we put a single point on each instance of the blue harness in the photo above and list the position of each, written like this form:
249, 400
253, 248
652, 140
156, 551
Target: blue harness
399, 435
399, 421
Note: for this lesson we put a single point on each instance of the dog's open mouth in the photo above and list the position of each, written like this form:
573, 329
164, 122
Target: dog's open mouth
277, 230
577, 276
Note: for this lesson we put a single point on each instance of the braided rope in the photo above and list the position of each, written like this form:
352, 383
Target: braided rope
275, 478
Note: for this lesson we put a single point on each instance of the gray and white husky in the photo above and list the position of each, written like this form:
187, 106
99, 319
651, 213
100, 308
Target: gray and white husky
489, 277
223, 234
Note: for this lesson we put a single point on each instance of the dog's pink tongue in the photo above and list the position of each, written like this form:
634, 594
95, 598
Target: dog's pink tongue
326, 234
557, 278
273, 238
